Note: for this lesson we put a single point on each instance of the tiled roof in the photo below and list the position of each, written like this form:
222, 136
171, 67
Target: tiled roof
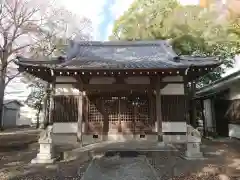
219, 85
120, 55
11, 101
123, 55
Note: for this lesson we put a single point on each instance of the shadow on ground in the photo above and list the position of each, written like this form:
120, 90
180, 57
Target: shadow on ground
222, 162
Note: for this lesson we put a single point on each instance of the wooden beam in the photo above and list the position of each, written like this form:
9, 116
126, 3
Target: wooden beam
121, 72
153, 84
120, 80
116, 93
117, 87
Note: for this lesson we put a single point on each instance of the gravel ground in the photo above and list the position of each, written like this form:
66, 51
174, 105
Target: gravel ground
222, 162
18, 149
59, 171
164, 162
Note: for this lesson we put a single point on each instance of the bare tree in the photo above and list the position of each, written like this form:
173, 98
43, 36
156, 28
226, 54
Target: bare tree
16, 21
25, 27
60, 27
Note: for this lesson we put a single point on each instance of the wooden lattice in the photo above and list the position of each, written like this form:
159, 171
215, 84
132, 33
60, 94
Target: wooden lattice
122, 114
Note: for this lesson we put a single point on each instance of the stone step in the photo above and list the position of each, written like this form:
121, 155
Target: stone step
82, 156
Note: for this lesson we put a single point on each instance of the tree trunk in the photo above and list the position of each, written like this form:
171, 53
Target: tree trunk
2, 90
1, 105
38, 118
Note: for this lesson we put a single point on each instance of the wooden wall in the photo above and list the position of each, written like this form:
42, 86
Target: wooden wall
65, 108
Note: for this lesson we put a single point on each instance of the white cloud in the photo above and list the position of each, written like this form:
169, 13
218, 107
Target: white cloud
92, 9
109, 30
189, 2
117, 10
119, 7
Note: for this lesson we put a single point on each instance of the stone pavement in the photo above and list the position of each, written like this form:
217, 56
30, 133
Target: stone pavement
120, 168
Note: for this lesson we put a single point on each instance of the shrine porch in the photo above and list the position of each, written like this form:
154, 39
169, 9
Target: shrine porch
117, 91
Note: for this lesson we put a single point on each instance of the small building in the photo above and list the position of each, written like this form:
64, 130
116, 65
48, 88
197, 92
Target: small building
123, 90
221, 106
11, 113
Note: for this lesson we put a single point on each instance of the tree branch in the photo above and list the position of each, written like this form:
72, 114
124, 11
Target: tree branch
11, 78
6, 64
19, 48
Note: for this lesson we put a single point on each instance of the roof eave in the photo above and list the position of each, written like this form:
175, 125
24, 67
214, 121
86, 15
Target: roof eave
221, 85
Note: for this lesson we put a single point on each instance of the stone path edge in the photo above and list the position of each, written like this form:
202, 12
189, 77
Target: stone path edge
152, 168
89, 165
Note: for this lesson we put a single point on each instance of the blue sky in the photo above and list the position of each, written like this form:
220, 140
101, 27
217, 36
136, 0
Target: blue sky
102, 13
107, 20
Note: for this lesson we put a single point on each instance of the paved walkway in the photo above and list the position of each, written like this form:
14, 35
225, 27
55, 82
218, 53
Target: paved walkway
118, 168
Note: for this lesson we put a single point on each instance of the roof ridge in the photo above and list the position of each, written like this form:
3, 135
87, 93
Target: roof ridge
118, 43
189, 57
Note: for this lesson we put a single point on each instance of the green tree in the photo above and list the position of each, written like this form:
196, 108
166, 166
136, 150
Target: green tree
144, 20
191, 29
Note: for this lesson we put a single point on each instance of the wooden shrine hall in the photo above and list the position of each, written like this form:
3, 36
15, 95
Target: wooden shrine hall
119, 90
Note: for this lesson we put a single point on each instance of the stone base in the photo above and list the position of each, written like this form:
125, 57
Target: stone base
193, 151
42, 161
189, 156
43, 158
161, 144
46, 152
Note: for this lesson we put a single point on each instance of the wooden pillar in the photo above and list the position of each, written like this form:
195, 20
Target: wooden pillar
203, 117
45, 114
45, 111
193, 105
151, 102
80, 110
51, 103
86, 108
80, 117
151, 105
105, 127
159, 109
186, 94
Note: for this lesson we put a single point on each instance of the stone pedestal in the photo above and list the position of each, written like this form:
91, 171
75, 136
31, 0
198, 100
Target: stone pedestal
46, 153
193, 151
161, 144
